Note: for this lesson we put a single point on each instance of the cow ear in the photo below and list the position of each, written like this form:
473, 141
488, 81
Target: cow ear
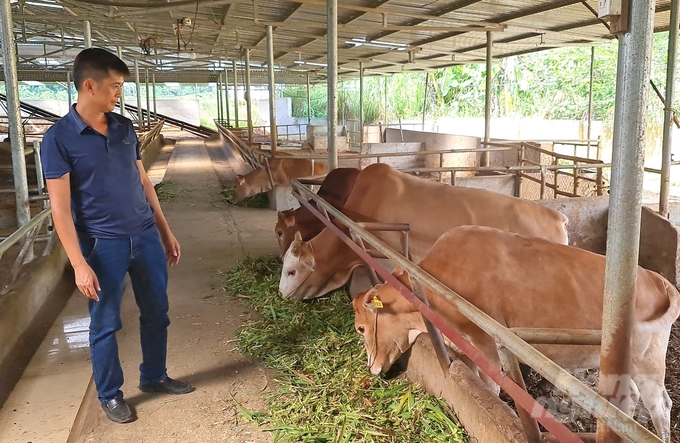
241, 179
295, 250
372, 300
290, 221
308, 261
298, 236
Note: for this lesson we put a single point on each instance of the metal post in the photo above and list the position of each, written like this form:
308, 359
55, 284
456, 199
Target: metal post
68, 89
218, 90
427, 83
623, 238
16, 129
148, 99
139, 95
332, 51
233, 65
590, 97
668, 109
226, 113
87, 33
122, 91
249, 112
272, 95
309, 102
361, 103
153, 89
484, 161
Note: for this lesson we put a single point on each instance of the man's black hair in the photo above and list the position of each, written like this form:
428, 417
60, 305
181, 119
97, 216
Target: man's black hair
96, 63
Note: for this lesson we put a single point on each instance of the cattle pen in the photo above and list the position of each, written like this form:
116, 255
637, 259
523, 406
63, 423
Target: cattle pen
241, 53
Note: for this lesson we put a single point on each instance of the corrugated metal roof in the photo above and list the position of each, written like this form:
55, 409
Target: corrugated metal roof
386, 35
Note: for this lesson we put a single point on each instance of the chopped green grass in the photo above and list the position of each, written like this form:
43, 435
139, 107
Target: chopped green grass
168, 191
324, 392
256, 201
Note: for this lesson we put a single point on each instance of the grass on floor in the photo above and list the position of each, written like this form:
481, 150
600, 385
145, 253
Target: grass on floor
256, 201
168, 191
324, 392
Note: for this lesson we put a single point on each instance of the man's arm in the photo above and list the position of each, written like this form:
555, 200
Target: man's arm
170, 243
59, 190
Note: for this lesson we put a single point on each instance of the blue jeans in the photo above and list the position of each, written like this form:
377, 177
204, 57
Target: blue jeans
143, 258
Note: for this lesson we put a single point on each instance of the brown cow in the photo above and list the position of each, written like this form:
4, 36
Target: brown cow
257, 181
526, 282
335, 189
383, 194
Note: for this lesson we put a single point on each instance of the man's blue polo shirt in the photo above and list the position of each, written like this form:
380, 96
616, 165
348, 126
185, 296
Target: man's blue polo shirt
107, 195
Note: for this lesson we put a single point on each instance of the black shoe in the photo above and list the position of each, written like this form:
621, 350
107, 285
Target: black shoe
117, 410
167, 386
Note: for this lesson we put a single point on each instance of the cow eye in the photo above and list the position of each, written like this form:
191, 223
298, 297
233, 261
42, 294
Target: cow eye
291, 273
280, 233
360, 330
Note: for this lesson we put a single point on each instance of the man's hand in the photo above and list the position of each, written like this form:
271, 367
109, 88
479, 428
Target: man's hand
87, 282
171, 246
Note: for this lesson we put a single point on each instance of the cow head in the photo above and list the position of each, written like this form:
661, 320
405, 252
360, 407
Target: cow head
308, 274
298, 265
285, 230
253, 183
388, 323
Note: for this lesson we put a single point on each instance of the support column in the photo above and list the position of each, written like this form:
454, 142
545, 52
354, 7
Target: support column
148, 99
16, 129
623, 238
361, 104
332, 51
668, 111
87, 33
153, 90
233, 65
309, 102
487, 102
139, 96
218, 90
226, 97
427, 84
122, 92
249, 111
590, 97
68, 88
272, 95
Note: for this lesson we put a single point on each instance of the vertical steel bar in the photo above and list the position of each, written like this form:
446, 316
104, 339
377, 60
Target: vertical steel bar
435, 336
249, 110
361, 104
153, 90
68, 89
122, 92
623, 238
87, 33
139, 96
484, 161
272, 95
309, 102
668, 109
227, 113
590, 96
511, 369
148, 98
16, 129
233, 65
332, 51
427, 84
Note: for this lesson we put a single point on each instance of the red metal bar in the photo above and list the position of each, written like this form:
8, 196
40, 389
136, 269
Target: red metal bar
519, 395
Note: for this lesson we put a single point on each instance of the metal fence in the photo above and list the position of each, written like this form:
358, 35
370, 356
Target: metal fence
511, 344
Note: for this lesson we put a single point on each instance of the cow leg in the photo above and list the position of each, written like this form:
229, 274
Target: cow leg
487, 346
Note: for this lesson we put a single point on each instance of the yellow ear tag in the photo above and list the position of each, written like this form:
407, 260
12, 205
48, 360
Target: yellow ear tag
377, 303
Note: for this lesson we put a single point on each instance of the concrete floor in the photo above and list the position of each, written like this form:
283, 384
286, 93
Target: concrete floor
55, 401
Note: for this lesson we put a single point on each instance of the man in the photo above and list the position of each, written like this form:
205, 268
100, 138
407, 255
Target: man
92, 164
